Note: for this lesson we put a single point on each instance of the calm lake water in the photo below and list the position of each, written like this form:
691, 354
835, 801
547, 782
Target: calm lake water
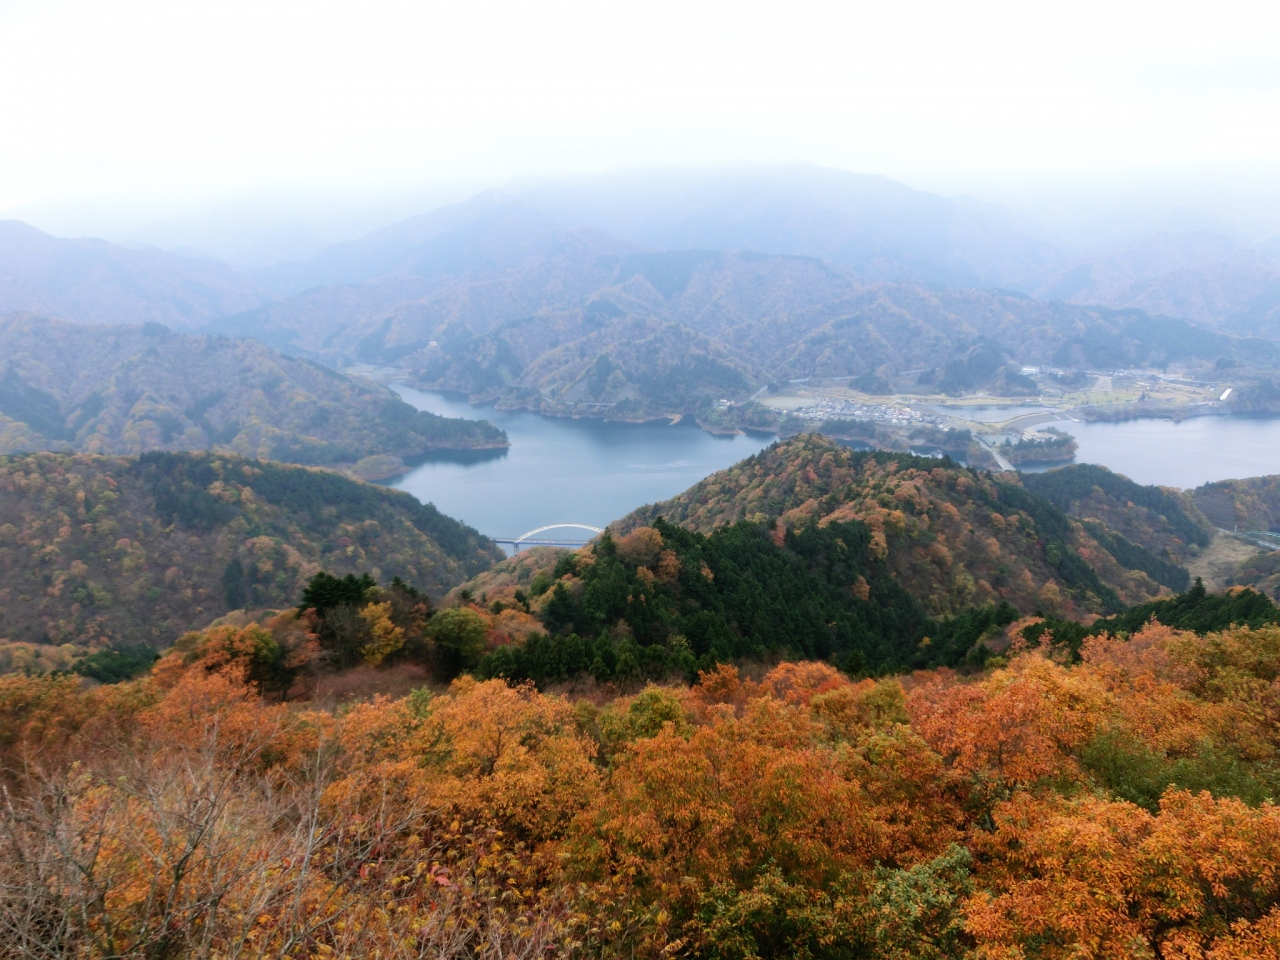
559, 470
1185, 454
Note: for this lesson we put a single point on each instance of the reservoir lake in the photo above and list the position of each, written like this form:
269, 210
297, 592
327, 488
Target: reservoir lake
559, 470
1186, 454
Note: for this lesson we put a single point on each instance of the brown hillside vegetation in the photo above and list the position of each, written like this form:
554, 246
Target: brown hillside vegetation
953, 537
1113, 809
126, 549
1252, 504
130, 389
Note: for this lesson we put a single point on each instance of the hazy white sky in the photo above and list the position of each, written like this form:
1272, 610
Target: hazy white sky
128, 96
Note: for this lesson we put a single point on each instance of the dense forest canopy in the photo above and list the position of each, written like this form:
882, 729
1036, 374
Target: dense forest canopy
953, 537
1116, 806
139, 549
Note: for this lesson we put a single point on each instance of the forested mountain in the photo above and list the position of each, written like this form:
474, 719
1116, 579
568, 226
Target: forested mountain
872, 561
1163, 521
139, 549
1252, 504
132, 388
952, 537
502, 305
92, 281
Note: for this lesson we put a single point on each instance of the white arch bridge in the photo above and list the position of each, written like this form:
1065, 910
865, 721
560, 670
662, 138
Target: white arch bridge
531, 539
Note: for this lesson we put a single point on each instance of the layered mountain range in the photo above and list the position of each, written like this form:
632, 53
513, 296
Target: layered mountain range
504, 305
1203, 276
641, 297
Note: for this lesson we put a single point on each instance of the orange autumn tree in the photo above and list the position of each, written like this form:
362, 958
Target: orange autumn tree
1101, 879
1115, 807
724, 826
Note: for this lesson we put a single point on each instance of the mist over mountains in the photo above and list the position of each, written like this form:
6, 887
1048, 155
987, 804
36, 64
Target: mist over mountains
1201, 275
648, 294
93, 281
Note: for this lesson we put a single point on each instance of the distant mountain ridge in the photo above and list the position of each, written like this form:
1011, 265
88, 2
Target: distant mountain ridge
92, 281
661, 294
866, 224
459, 239
1203, 276
570, 321
134, 388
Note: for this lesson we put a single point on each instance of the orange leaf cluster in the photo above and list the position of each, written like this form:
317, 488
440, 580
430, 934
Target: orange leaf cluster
1117, 807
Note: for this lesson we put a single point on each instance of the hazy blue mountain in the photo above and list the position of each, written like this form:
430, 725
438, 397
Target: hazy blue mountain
466, 268
723, 283
486, 236
93, 281
870, 225
1270, 248
1205, 276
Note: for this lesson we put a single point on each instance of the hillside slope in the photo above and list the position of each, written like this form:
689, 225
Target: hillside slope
530, 315
140, 549
1252, 504
952, 537
1164, 521
93, 281
129, 389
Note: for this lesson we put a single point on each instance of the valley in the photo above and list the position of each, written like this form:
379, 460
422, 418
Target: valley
1002, 432
623, 481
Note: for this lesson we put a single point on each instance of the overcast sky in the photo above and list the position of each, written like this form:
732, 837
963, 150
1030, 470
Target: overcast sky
118, 97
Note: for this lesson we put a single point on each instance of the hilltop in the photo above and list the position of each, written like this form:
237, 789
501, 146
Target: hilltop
97, 549
951, 536
133, 388
1166, 522
874, 561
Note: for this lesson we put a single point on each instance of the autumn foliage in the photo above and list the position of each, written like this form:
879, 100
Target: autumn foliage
1117, 806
